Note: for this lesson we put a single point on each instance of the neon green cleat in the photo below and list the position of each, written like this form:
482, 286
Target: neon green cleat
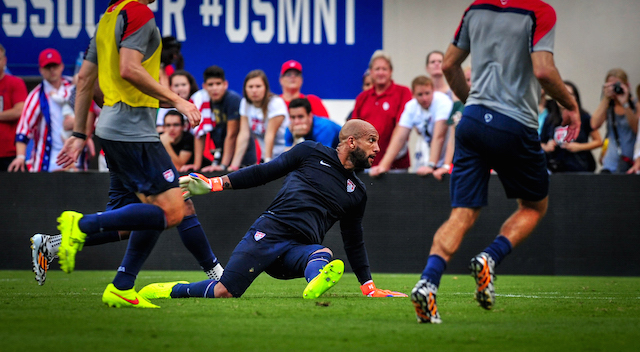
329, 276
159, 290
72, 240
128, 298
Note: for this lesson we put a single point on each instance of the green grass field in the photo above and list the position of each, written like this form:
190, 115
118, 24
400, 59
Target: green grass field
532, 313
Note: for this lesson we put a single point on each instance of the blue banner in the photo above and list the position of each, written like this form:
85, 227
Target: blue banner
332, 39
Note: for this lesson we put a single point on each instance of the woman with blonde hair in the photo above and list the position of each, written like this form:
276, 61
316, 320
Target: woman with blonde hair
618, 110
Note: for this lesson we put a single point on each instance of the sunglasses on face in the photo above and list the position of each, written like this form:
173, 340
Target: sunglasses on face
292, 73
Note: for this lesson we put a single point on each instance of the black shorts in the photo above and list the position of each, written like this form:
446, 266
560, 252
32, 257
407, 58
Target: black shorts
143, 167
486, 140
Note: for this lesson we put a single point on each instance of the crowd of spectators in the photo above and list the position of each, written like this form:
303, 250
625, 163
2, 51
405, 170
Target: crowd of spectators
239, 130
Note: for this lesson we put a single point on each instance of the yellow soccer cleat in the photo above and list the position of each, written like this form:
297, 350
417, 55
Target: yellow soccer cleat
72, 240
329, 276
125, 298
159, 290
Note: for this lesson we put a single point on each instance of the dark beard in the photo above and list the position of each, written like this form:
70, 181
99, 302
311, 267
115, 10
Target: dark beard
360, 159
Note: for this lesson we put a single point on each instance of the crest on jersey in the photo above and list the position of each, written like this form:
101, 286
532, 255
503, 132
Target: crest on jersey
258, 235
385, 106
488, 117
350, 186
169, 175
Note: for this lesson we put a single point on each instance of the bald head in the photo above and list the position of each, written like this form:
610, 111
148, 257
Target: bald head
358, 144
356, 128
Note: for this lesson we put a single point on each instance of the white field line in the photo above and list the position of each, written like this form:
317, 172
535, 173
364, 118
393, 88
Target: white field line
545, 295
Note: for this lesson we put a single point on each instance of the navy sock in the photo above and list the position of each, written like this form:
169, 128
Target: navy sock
137, 216
196, 289
316, 262
140, 245
434, 269
499, 248
102, 238
193, 237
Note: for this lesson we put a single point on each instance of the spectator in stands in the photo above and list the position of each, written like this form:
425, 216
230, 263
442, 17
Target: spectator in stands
305, 126
177, 142
618, 110
635, 169
42, 118
291, 82
170, 59
13, 92
428, 113
220, 123
182, 83
382, 106
572, 156
434, 70
265, 115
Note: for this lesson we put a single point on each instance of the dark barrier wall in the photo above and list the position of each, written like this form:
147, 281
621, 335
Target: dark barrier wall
592, 226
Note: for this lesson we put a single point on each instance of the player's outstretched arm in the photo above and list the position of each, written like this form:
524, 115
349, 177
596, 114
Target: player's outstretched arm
369, 289
196, 184
352, 236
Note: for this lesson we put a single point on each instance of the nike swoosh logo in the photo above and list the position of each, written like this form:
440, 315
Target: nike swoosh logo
72, 241
324, 163
134, 302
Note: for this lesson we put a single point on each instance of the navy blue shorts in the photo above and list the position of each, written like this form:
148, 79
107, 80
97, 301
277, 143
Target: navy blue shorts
119, 195
142, 167
268, 246
485, 140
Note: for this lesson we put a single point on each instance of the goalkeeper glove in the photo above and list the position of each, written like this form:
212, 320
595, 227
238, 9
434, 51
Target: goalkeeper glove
195, 184
369, 289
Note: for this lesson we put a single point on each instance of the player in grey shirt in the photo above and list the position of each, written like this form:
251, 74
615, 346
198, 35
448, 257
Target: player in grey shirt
512, 43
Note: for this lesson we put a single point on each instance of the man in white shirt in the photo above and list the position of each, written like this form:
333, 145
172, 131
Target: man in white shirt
427, 112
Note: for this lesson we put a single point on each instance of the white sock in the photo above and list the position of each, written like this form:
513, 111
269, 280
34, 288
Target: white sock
215, 273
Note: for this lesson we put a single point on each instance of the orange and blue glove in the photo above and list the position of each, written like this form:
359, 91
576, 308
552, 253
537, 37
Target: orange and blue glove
195, 184
369, 289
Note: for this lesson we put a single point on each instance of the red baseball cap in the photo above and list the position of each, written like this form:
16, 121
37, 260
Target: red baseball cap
290, 65
49, 56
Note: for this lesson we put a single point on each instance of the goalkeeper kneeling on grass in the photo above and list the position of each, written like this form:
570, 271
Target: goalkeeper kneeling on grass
320, 188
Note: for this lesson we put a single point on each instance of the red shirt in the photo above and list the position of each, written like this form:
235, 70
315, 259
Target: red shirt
383, 112
12, 91
317, 108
